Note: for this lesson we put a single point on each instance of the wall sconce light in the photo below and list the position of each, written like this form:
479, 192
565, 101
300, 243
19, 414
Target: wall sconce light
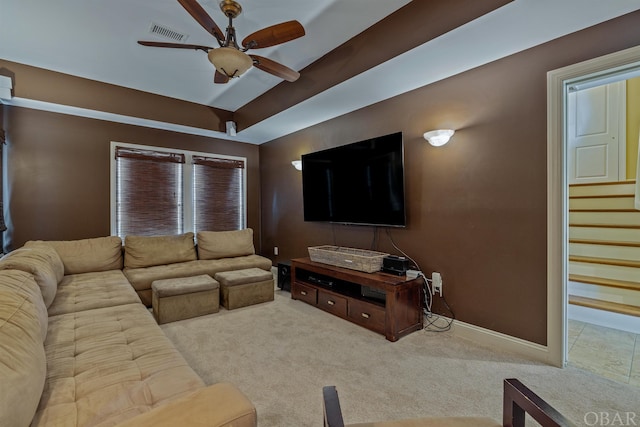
438, 137
297, 164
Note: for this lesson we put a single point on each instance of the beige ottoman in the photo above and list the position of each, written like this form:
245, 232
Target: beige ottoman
185, 297
241, 288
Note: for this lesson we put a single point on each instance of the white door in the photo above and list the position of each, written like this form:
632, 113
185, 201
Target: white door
595, 127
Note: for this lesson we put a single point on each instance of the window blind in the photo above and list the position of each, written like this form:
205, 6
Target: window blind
218, 192
149, 192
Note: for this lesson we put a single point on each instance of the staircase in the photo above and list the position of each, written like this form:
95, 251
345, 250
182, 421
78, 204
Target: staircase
604, 250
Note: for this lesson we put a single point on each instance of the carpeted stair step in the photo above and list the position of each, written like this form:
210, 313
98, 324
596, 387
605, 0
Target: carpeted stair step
617, 250
611, 283
606, 189
611, 202
594, 225
605, 234
605, 242
630, 310
620, 218
605, 261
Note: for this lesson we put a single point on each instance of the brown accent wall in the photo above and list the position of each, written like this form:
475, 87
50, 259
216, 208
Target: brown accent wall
477, 206
58, 175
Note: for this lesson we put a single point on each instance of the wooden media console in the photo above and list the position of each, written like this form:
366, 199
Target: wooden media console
384, 303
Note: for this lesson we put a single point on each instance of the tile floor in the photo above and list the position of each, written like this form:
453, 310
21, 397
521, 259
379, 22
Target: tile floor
607, 352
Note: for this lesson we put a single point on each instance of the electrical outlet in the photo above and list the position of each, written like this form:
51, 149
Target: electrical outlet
436, 283
275, 250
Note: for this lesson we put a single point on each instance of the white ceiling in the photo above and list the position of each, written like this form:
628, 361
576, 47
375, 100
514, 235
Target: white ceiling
96, 39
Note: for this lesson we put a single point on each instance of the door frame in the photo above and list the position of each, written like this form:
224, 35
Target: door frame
557, 189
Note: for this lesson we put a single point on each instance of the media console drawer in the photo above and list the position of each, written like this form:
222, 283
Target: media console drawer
366, 314
332, 303
304, 293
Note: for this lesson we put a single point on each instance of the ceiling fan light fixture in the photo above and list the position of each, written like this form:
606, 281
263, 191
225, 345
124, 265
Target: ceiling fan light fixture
230, 61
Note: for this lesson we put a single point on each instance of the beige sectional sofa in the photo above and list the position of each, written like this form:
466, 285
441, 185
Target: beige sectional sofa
77, 347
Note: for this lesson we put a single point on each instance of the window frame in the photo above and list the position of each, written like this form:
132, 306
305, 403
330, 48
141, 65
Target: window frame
187, 182
3, 225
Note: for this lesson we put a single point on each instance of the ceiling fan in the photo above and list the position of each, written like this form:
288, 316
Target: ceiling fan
230, 59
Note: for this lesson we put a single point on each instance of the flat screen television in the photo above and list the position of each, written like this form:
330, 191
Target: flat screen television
358, 183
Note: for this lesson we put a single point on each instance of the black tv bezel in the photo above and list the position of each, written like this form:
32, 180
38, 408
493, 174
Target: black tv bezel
400, 135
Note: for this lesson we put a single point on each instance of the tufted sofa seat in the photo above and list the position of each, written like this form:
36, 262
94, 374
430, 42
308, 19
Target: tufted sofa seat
77, 347
108, 364
85, 291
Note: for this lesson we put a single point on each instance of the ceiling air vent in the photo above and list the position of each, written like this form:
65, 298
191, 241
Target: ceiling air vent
166, 32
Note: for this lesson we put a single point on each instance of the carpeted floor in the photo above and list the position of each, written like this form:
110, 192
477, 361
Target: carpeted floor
283, 352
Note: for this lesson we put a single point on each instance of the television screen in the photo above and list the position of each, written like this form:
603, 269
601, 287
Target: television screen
358, 183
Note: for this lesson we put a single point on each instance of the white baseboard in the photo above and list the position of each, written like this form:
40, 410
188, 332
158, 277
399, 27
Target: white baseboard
500, 341
607, 319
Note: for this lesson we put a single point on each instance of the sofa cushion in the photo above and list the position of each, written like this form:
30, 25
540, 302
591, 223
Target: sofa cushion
23, 284
36, 262
225, 244
146, 251
87, 255
78, 292
52, 256
108, 365
23, 367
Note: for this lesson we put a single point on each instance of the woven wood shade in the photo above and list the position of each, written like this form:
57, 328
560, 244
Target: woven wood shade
149, 192
218, 186
152, 198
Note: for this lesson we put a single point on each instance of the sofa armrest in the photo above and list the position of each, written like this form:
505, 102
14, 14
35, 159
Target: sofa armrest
519, 400
218, 405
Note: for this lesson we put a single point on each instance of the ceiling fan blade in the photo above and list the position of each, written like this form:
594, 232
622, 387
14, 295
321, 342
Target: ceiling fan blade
218, 77
175, 45
275, 68
273, 35
203, 18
